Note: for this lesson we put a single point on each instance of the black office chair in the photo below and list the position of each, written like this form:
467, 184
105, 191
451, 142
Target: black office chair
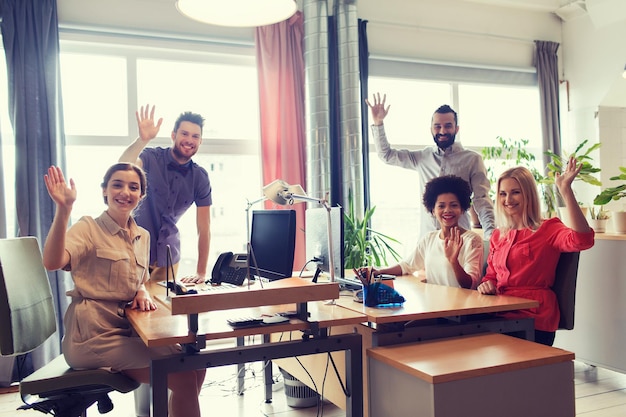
27, 320
565, 287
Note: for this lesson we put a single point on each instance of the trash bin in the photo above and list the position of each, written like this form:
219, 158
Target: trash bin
298, 394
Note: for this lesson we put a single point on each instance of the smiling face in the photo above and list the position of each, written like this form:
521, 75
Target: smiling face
187, 139
447, 210
123, 192
511, 198
444, 129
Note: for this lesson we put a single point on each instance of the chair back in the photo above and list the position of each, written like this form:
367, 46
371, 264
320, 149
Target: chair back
565, 287
27, 316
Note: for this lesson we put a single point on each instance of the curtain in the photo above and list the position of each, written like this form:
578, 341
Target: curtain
364, 74
546, 61
31, 44
280, 65
336, 177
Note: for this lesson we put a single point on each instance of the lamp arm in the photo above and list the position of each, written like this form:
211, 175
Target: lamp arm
250, 204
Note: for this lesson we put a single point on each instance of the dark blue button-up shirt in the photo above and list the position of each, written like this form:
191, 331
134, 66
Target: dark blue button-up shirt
170, 193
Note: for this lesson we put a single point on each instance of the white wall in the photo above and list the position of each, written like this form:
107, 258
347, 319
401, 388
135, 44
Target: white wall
456, 31
593, 61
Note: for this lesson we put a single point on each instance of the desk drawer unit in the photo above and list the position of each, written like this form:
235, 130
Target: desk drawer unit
488, 375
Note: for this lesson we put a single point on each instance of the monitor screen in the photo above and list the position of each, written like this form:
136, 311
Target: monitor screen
317, 238
272, 243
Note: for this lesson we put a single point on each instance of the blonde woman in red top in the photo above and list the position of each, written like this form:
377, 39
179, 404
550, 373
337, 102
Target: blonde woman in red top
525, 249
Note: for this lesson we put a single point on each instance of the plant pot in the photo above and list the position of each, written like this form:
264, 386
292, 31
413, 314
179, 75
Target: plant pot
598, 225
619, 221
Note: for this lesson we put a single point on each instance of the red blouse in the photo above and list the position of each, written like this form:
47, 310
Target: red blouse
523, 264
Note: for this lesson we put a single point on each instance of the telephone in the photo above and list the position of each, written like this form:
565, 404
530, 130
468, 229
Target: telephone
230, 268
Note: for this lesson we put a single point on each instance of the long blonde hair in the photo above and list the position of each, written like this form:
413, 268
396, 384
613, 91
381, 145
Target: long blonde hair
531, 212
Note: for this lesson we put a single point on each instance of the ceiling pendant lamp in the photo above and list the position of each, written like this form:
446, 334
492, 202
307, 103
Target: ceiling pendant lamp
239, 13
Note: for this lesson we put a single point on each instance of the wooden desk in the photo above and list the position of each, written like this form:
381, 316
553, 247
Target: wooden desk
486, 375
160, 327
427, 301
436, 311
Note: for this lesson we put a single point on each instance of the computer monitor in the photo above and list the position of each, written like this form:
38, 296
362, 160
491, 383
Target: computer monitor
272, 243
316, 232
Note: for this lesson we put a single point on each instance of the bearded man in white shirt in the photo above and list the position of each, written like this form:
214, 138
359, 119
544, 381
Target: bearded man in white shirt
446, 158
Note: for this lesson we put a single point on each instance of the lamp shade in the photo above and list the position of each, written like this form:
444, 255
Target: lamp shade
240, 13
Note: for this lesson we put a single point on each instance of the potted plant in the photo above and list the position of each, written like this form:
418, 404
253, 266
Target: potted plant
362, 245
598, 218
613, 194
558, 162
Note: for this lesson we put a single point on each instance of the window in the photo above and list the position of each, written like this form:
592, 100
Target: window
103, 85
485, 112
7, 157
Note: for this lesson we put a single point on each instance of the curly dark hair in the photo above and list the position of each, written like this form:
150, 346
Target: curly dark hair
447, 184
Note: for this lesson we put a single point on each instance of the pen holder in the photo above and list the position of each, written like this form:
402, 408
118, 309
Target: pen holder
379, 294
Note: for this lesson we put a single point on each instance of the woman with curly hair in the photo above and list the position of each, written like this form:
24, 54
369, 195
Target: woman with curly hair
451, 256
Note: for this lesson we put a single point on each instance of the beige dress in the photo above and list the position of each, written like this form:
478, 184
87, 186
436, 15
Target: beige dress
108, 265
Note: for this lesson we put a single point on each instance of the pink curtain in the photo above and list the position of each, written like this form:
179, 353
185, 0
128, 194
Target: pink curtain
280, 63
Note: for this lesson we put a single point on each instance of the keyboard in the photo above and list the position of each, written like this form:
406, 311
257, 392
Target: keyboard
223, 286
239, 322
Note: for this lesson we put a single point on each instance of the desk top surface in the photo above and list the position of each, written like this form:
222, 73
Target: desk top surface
451, 359
161, 328
427, 301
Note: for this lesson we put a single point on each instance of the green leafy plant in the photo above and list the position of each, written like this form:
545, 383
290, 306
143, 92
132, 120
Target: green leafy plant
612, 193
600, 214
557, 164
362, 245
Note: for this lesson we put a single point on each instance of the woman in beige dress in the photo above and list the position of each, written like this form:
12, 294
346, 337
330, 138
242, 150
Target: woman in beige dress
108, 259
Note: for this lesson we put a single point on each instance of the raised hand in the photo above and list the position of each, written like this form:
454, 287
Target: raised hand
378, 109
564, 180
145, 123
452, 244
60, 193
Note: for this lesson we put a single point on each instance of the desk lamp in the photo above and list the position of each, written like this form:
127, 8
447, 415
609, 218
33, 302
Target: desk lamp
284, 194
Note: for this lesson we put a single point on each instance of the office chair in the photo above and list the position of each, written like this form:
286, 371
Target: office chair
565, 287
27, 319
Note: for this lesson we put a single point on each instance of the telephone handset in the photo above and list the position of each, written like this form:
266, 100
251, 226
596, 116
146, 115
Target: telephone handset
230, 268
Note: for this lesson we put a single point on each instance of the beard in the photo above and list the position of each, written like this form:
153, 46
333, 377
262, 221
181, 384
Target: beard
444, 141
180, 155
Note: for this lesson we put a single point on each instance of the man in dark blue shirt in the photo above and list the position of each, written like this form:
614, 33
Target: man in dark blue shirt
175, 182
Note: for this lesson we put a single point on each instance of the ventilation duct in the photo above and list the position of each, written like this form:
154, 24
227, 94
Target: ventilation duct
317, 97
345, 12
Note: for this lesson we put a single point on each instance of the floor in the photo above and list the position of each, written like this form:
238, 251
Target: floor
599, 393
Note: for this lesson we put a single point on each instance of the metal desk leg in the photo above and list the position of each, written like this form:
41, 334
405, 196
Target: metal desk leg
241, 370
158, 380
267, 374
354, 383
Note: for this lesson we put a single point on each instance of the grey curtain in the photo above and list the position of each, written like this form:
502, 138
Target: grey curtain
31, 44
546, 61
